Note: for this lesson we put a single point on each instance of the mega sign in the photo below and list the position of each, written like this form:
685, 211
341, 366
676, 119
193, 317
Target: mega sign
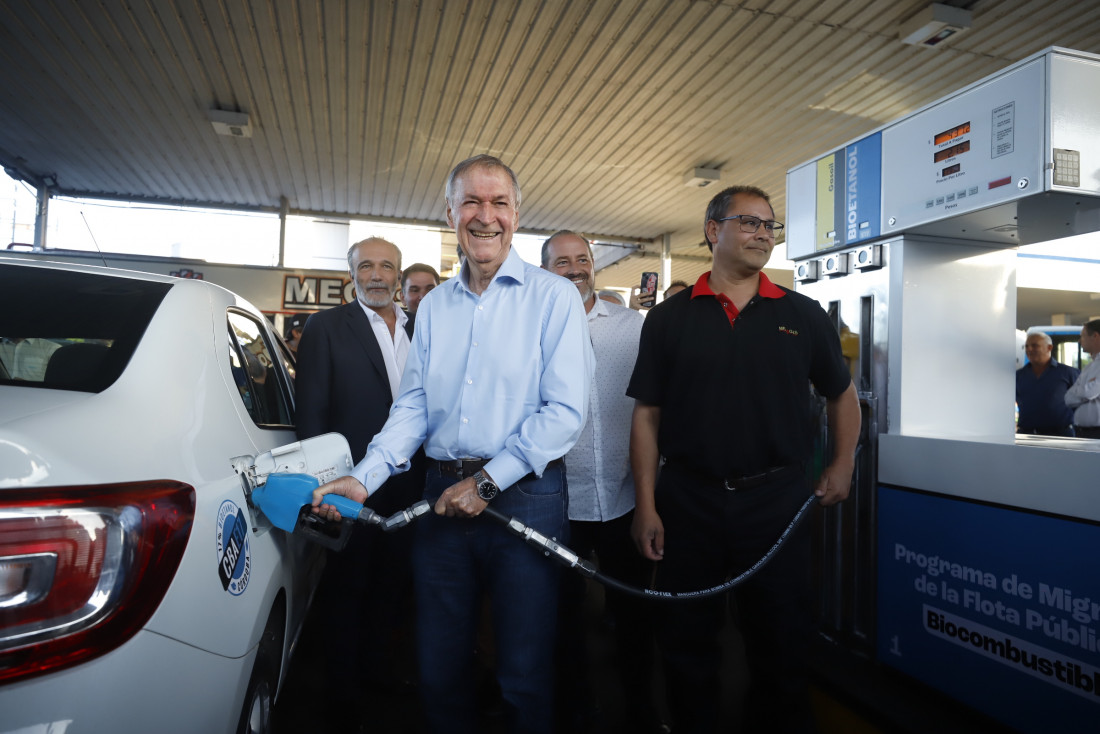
306, 291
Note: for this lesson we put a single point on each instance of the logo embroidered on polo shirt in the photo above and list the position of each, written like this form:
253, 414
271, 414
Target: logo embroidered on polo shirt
785, 330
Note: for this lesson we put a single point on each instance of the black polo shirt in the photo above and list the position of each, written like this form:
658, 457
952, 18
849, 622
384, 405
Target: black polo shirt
734, 387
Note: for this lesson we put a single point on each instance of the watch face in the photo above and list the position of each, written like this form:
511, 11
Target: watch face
486, 490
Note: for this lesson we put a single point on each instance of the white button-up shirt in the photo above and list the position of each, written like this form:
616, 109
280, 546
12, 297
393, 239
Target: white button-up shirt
1084, 396
597, 468
395, 348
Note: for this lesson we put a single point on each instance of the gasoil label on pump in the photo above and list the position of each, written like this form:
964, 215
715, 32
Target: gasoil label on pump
997, 607
825, 219
849, 192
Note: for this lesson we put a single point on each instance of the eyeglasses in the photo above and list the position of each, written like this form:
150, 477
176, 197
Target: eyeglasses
752, 224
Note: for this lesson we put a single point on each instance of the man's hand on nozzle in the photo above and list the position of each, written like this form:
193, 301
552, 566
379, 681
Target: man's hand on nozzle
348, 486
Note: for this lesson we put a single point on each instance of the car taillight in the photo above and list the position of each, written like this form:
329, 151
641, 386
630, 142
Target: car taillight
83, 568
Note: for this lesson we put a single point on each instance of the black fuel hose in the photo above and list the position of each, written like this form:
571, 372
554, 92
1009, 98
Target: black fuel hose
569, 558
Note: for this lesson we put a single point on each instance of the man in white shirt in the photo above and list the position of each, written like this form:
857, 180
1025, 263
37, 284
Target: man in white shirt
601, 502
1084, 396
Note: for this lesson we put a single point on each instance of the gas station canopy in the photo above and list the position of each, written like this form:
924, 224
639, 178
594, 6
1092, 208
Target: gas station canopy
606, 110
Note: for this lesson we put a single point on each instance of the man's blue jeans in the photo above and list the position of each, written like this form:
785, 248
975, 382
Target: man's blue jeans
456, 562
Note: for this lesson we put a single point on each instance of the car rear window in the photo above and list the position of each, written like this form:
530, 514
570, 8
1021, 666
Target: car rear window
70, 330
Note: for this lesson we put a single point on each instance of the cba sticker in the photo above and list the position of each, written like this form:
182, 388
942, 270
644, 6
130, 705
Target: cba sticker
234, 554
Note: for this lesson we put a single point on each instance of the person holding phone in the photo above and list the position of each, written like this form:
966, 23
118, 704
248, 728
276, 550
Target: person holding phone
648, 291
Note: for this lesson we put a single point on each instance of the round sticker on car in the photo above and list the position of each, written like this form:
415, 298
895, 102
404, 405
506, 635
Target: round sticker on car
234, 553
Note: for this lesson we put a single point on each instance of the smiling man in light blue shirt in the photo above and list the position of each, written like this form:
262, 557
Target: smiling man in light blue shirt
496, 389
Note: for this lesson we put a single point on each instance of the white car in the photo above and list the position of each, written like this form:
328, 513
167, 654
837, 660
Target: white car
139, 589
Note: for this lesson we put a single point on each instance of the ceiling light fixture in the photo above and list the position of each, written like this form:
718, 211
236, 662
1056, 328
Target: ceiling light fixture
700, 177
231, 124
934, 24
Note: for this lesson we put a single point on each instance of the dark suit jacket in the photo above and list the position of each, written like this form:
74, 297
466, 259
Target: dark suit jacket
341, 386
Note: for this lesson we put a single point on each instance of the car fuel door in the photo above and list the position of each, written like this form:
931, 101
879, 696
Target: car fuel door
315, 460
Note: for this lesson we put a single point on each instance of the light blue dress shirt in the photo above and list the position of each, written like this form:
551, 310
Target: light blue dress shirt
504, 376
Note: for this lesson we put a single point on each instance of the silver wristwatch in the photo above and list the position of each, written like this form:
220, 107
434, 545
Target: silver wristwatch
486, 488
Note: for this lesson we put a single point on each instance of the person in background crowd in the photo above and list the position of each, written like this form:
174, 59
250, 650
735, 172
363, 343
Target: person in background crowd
673, 288
636, 298
601, 504
294, 325
416, 282
611, 296
1041, 387
349, 365
1084, 395
721, 389
496, 389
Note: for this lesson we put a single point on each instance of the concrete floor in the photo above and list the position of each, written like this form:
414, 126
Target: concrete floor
396, 711
850, 696
301, 709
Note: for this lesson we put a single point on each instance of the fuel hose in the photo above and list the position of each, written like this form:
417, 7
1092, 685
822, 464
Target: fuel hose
586, 568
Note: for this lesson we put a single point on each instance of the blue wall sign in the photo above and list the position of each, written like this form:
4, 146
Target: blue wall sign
998, 608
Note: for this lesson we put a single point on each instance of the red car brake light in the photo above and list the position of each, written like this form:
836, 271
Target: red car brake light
82, 569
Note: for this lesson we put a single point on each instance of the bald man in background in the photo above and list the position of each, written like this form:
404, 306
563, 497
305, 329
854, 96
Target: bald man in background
1041, 387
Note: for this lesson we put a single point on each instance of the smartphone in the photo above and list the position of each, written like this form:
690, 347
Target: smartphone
648, 292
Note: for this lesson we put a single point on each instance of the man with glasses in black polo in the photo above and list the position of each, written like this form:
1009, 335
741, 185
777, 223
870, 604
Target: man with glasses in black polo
721, 390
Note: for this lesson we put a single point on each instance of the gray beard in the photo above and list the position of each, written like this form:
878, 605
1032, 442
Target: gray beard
370, 302
587, 291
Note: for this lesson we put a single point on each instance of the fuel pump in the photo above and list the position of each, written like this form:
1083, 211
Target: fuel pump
907, 237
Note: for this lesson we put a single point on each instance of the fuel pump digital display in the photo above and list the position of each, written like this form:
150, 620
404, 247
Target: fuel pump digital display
957, 149
951, 169
953, 133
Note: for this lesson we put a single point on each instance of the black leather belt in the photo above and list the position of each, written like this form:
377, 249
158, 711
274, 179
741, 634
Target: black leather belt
743, 482
462, 468
748, 481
